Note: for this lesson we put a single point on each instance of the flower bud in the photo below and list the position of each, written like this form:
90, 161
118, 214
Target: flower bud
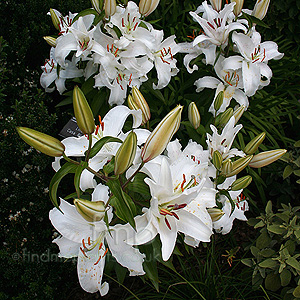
97, 5
41, 141
239, 165
241, 183
238, 113
83, 113
194, 115
55, 19
141, 103
216, 4
223, 118
238, 6
253, 145
215, 213
217, 159
50, 40
91, 211
162, 134
146, 7
219, 101
260, 8
110, 7
131, 104
227, 166
126, 154
265, 158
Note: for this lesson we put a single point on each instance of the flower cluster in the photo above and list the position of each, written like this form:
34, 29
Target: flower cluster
229, 41
118, 51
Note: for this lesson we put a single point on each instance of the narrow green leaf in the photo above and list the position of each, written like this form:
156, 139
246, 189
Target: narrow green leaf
268, 263
99, 144
85, 12
293, 262
78, 173
276, 229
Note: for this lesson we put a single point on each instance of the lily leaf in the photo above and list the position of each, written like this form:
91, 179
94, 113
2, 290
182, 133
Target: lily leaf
85, 12
78, 172
99, 144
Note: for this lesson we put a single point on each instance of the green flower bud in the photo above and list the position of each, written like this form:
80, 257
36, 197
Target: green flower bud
219, 101
238, 113
239, 165
194, 115
55, 19
97, 5
146, 7
131, 104
162, 134
238, 6
50, 40
83, 113
260, 8
110, 7
216, 4
141, 103
126, 154
253, 145
217, 159
215, 213
224, 117
227, 166
265, 158
41, 141
92, 211
241, 183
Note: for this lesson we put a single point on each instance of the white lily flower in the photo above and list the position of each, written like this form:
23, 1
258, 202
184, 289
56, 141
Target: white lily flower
253, 62
230, 83
111, 125
172, 187
90, 241
65, 23
51, 73
222, 142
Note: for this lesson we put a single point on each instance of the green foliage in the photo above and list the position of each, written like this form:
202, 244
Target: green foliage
276, 253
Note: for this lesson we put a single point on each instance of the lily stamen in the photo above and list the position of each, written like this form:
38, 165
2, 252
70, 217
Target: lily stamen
168, 224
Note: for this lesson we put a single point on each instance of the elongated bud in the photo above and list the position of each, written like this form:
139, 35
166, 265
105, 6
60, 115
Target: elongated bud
54, 19
223, 118
41, 141
216, 4
217, 159
238, 6
215, 213
241, 183
141, 103
110, 7
162, 134
82, 111
131, 104
253, 145
219, 101
91, 211
227, 166
265, 158
50, 40
238, 113
146, 7
194, 115
260, 8
126, 154
97, 5
239, 165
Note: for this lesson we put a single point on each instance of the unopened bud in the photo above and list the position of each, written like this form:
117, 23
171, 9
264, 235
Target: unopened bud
41, 141
253, 145
265, 158
241, 183
227, 166
260, 8
54, 18
141, 103
131, 104
126, 154
50, 40
92, 211
215, 213
162, 134
216, 4
238, 113
82, 111
146, 7
194, 115
217, 159
239, 165
97, 5
238, 6
110, 7
219, 101
223, 118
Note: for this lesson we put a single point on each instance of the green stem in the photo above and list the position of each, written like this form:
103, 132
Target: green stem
90, 137
130, 178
